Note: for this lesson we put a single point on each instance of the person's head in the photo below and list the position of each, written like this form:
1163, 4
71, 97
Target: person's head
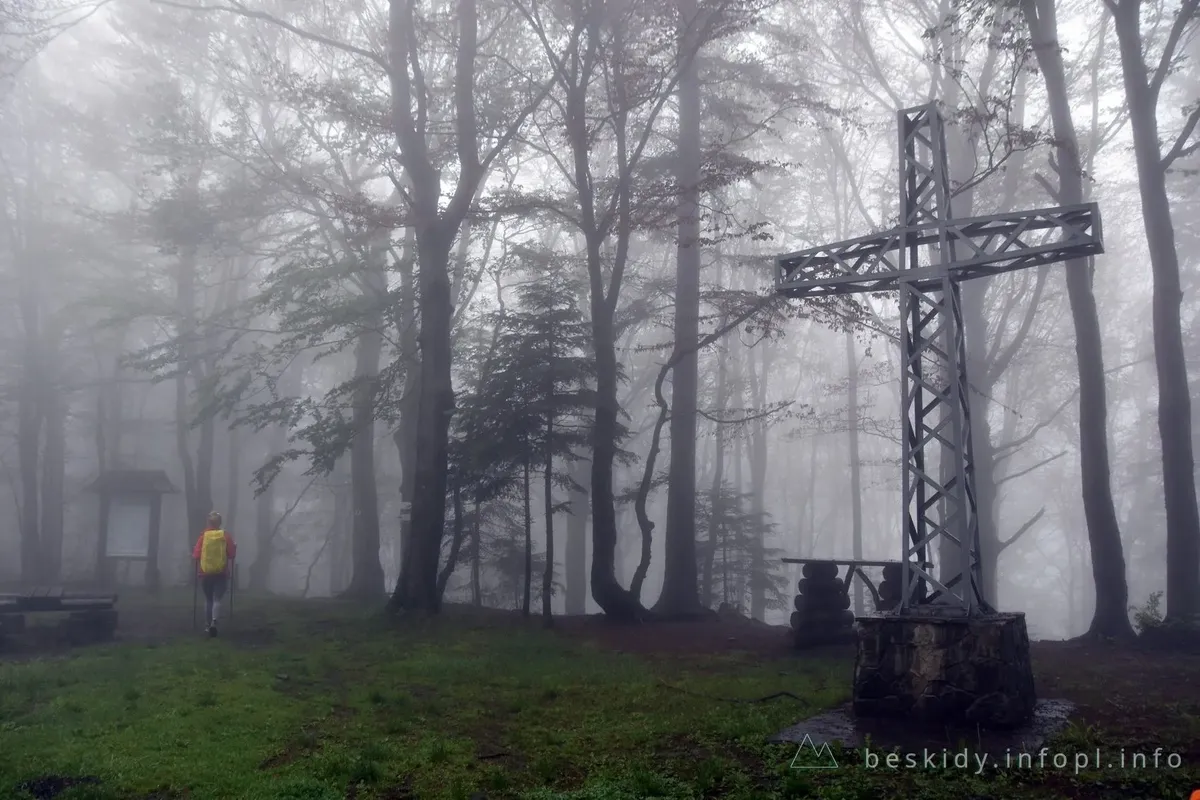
214, 521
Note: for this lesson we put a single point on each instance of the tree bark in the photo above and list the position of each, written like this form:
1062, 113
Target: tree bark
680, 590
1174, 400
1108, 559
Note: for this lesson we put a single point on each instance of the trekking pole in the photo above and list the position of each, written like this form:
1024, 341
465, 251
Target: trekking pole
232, 587
195, 581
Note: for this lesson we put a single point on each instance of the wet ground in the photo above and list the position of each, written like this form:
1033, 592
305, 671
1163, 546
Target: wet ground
1139, 691
841, 726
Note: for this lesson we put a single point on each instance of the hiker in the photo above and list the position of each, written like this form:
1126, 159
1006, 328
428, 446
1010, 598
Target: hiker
213, 553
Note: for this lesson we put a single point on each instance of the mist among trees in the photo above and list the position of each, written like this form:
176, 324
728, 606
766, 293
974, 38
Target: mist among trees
473, 302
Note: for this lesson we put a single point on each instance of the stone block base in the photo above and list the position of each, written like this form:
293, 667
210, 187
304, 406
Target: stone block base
970, 671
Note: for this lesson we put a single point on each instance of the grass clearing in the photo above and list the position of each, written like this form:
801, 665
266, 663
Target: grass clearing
336, 702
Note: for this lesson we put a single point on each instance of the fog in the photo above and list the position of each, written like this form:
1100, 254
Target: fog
244, 252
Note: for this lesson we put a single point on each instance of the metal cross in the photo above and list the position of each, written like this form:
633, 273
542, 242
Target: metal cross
938, 502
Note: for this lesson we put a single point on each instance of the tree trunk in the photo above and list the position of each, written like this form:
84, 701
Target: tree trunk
197, 469
30, 416
341, 562
576, 545
716, 522
757, 452
548, 491
206, 444
680, 591
405, 435
54, 474
455, 544
528, 543
108, 447
606, 591
855, 467
183, 452
233, 486
416, 588
258, 576
367, 580
1174, 400
476, 557
1108, 559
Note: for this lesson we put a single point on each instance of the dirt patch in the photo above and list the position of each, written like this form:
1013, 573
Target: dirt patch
710, 636
305, 744
399, 791
47, 787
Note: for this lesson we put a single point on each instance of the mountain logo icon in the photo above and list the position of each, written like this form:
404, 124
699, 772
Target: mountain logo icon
822, 757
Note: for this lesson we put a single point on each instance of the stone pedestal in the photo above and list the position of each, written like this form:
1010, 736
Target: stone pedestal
969, 671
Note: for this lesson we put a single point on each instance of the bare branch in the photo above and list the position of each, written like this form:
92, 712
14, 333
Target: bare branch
242, 11
762, 414
1028, 470
1045, 184
1181, 147
1187, 11
1021, 531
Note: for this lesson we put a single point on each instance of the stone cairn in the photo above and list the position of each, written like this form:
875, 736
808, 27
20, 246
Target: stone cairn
822, 614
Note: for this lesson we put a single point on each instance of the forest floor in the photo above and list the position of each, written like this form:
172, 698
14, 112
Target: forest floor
320, 700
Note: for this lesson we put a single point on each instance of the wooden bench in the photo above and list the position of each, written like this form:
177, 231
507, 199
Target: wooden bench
89, 616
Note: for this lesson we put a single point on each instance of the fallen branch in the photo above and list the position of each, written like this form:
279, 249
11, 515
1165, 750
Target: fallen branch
751, 700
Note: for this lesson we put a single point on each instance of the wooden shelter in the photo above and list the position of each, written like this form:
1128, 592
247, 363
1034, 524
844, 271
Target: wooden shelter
130, 521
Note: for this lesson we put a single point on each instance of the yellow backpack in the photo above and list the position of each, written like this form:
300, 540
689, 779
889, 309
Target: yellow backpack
213, 557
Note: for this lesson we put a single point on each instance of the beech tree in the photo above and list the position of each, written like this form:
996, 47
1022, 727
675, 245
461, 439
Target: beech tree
1144, 78
1108, 558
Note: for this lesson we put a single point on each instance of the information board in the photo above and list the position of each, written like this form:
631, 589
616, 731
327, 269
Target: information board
128, 529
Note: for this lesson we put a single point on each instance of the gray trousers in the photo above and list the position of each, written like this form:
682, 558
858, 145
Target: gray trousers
214, 591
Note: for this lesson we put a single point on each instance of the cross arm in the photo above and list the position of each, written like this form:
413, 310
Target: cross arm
981, 246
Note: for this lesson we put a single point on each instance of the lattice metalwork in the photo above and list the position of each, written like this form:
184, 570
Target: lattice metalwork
925, 258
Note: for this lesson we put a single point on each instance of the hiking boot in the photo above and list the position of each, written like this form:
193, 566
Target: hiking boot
212, 630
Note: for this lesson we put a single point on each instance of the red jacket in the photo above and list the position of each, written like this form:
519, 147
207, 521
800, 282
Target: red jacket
230, 551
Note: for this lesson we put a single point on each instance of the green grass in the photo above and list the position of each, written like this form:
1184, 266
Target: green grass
343, 704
